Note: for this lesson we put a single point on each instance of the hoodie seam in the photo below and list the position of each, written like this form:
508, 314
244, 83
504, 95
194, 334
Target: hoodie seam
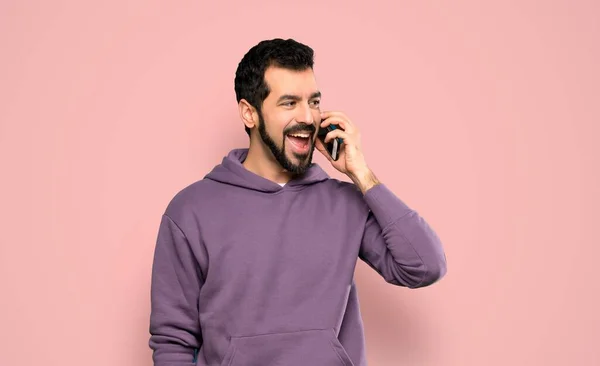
177, 226
187, 240
395, 223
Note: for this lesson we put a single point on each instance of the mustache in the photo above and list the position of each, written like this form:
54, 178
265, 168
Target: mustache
301, 128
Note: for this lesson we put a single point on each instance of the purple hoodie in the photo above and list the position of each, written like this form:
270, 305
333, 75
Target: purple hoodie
249, 273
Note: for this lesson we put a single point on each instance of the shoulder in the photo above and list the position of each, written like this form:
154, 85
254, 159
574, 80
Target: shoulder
189, 200
342, 187
346, 191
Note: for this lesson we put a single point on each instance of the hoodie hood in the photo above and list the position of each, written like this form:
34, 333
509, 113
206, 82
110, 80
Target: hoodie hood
232, 172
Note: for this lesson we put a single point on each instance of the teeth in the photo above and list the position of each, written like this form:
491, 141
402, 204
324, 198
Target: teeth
301, 135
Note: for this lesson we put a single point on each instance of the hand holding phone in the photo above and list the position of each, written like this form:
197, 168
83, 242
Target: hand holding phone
332, 147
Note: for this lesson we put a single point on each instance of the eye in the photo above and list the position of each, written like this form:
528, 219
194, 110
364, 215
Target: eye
289, 104
316, 102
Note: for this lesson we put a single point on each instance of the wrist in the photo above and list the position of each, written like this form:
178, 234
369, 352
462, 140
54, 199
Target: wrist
364, 179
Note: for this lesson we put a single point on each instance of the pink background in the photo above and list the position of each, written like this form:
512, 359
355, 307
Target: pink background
484, 118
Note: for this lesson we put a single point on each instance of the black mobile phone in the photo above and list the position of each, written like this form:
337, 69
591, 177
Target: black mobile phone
333, 146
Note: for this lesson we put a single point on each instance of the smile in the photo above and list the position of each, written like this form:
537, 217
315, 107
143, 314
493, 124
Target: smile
300, 142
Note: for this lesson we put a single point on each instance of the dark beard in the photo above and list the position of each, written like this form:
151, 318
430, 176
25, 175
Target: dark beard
279, 154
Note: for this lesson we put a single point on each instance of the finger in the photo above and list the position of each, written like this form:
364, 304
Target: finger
327, 114
339, 117
339, 122
337, 134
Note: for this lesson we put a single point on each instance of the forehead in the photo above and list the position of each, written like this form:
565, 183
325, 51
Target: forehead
285, 81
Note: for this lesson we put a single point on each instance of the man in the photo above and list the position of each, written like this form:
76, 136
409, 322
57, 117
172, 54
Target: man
254, 263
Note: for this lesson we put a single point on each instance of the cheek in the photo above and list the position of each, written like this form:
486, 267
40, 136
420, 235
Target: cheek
277, 125
317, 115
275, 131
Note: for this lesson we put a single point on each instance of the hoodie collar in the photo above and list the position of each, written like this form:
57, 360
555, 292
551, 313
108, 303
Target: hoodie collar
231, 171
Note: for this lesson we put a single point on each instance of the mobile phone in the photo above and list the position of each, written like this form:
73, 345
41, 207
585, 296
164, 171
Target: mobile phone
333, 146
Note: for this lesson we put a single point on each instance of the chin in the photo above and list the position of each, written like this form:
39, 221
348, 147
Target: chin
299, 160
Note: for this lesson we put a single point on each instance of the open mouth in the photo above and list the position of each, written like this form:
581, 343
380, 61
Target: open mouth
300, 141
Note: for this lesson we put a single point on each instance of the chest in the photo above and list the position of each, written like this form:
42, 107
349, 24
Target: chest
292, 237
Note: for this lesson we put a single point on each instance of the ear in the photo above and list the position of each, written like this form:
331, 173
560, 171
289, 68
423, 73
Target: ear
247, 114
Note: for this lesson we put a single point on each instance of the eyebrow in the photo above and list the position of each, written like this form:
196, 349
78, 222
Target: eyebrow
297, 98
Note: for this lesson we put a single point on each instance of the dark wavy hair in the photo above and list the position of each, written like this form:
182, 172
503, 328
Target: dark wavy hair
250, 81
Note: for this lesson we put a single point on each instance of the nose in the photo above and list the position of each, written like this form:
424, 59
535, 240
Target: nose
305, 115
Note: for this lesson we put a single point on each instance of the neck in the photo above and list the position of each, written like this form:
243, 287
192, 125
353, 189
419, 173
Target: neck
261, 161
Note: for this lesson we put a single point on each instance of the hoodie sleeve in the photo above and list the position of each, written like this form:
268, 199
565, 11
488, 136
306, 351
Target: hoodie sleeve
175, 286
398, 243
